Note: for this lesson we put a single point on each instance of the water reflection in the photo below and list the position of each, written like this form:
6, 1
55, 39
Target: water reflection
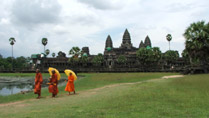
9, 90
9, 86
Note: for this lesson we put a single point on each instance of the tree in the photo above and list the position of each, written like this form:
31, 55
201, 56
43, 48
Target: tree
98, 60
197, 42
47, 51
12, 42
121, 59
156, 54
148, 56
53, 54
171, 55
75, 52
84, 59
44, 42
185, 55
169, 37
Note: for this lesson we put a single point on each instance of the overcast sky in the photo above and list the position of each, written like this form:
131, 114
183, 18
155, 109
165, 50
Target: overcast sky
68, 23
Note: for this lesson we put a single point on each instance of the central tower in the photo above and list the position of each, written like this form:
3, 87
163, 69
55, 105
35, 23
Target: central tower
126, 43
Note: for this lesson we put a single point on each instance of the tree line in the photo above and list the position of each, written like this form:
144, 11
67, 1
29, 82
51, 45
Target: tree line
11, 63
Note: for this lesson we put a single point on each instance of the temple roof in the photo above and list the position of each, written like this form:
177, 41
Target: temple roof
126, 42
109, 42
147, 42
126, 35
141, 45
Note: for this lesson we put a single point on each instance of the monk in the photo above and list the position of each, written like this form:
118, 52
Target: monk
70, 84
53, 84
38, 82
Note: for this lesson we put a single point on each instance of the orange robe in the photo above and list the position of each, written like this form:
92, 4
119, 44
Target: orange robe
38, 82
70, 84
53, 87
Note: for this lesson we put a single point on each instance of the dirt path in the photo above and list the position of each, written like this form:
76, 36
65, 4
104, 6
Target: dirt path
93, 91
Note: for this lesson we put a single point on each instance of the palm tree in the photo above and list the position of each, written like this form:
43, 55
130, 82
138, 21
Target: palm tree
47, 51
44, 42
169, 37
75, 52
197, 42
12, 42
53, 54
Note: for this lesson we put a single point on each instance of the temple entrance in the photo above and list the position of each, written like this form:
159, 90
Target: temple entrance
110, 64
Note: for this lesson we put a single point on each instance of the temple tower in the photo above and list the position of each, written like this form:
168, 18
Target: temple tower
126, 43
141, 45
85, 51
147, 42
108, 44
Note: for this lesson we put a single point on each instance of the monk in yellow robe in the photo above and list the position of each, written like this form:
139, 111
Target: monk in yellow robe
38, 82
53, 84
70, 84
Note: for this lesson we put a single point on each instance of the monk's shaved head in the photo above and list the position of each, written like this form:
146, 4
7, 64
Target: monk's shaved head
37, 70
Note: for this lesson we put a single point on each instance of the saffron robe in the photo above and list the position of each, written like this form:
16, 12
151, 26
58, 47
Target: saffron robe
53, 86
70, 84
38, 82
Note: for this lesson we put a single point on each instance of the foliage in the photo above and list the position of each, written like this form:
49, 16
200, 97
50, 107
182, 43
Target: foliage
168, 37
197, 42
98, 59
12, 41
121, 59
44, 41
53, 54
75, 52
73, 60
171, 55
185, 55
148, 56
47, 51
83, 59
18, 63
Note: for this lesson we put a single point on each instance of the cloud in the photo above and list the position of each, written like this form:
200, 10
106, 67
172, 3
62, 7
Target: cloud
30, 13
103, 4
68, 23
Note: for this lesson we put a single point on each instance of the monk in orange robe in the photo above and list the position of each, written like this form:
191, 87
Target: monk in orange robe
53, 84
38, 82
70, 84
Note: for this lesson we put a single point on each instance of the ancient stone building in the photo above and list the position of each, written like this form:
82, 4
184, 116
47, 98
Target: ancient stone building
112, 54
115, 59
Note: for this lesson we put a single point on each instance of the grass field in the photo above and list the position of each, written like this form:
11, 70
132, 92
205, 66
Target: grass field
186, 97
89, 81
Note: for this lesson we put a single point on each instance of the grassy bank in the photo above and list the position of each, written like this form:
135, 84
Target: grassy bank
186, 97
89, 81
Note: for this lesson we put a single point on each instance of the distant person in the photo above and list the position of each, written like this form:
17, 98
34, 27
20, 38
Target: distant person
70, 84
53, 84
38, 82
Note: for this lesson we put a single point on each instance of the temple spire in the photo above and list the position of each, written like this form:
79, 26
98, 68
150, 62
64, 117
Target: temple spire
108, 42
126, 43
147, 42
141, 45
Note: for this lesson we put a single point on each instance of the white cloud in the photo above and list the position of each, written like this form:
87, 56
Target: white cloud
68, 23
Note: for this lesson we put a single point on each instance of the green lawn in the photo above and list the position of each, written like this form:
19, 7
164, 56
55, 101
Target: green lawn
186, 97
87, 81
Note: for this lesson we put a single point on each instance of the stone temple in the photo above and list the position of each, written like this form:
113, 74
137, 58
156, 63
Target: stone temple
110, 61
111, 54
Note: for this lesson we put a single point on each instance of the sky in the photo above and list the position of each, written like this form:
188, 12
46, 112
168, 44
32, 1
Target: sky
69, 23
